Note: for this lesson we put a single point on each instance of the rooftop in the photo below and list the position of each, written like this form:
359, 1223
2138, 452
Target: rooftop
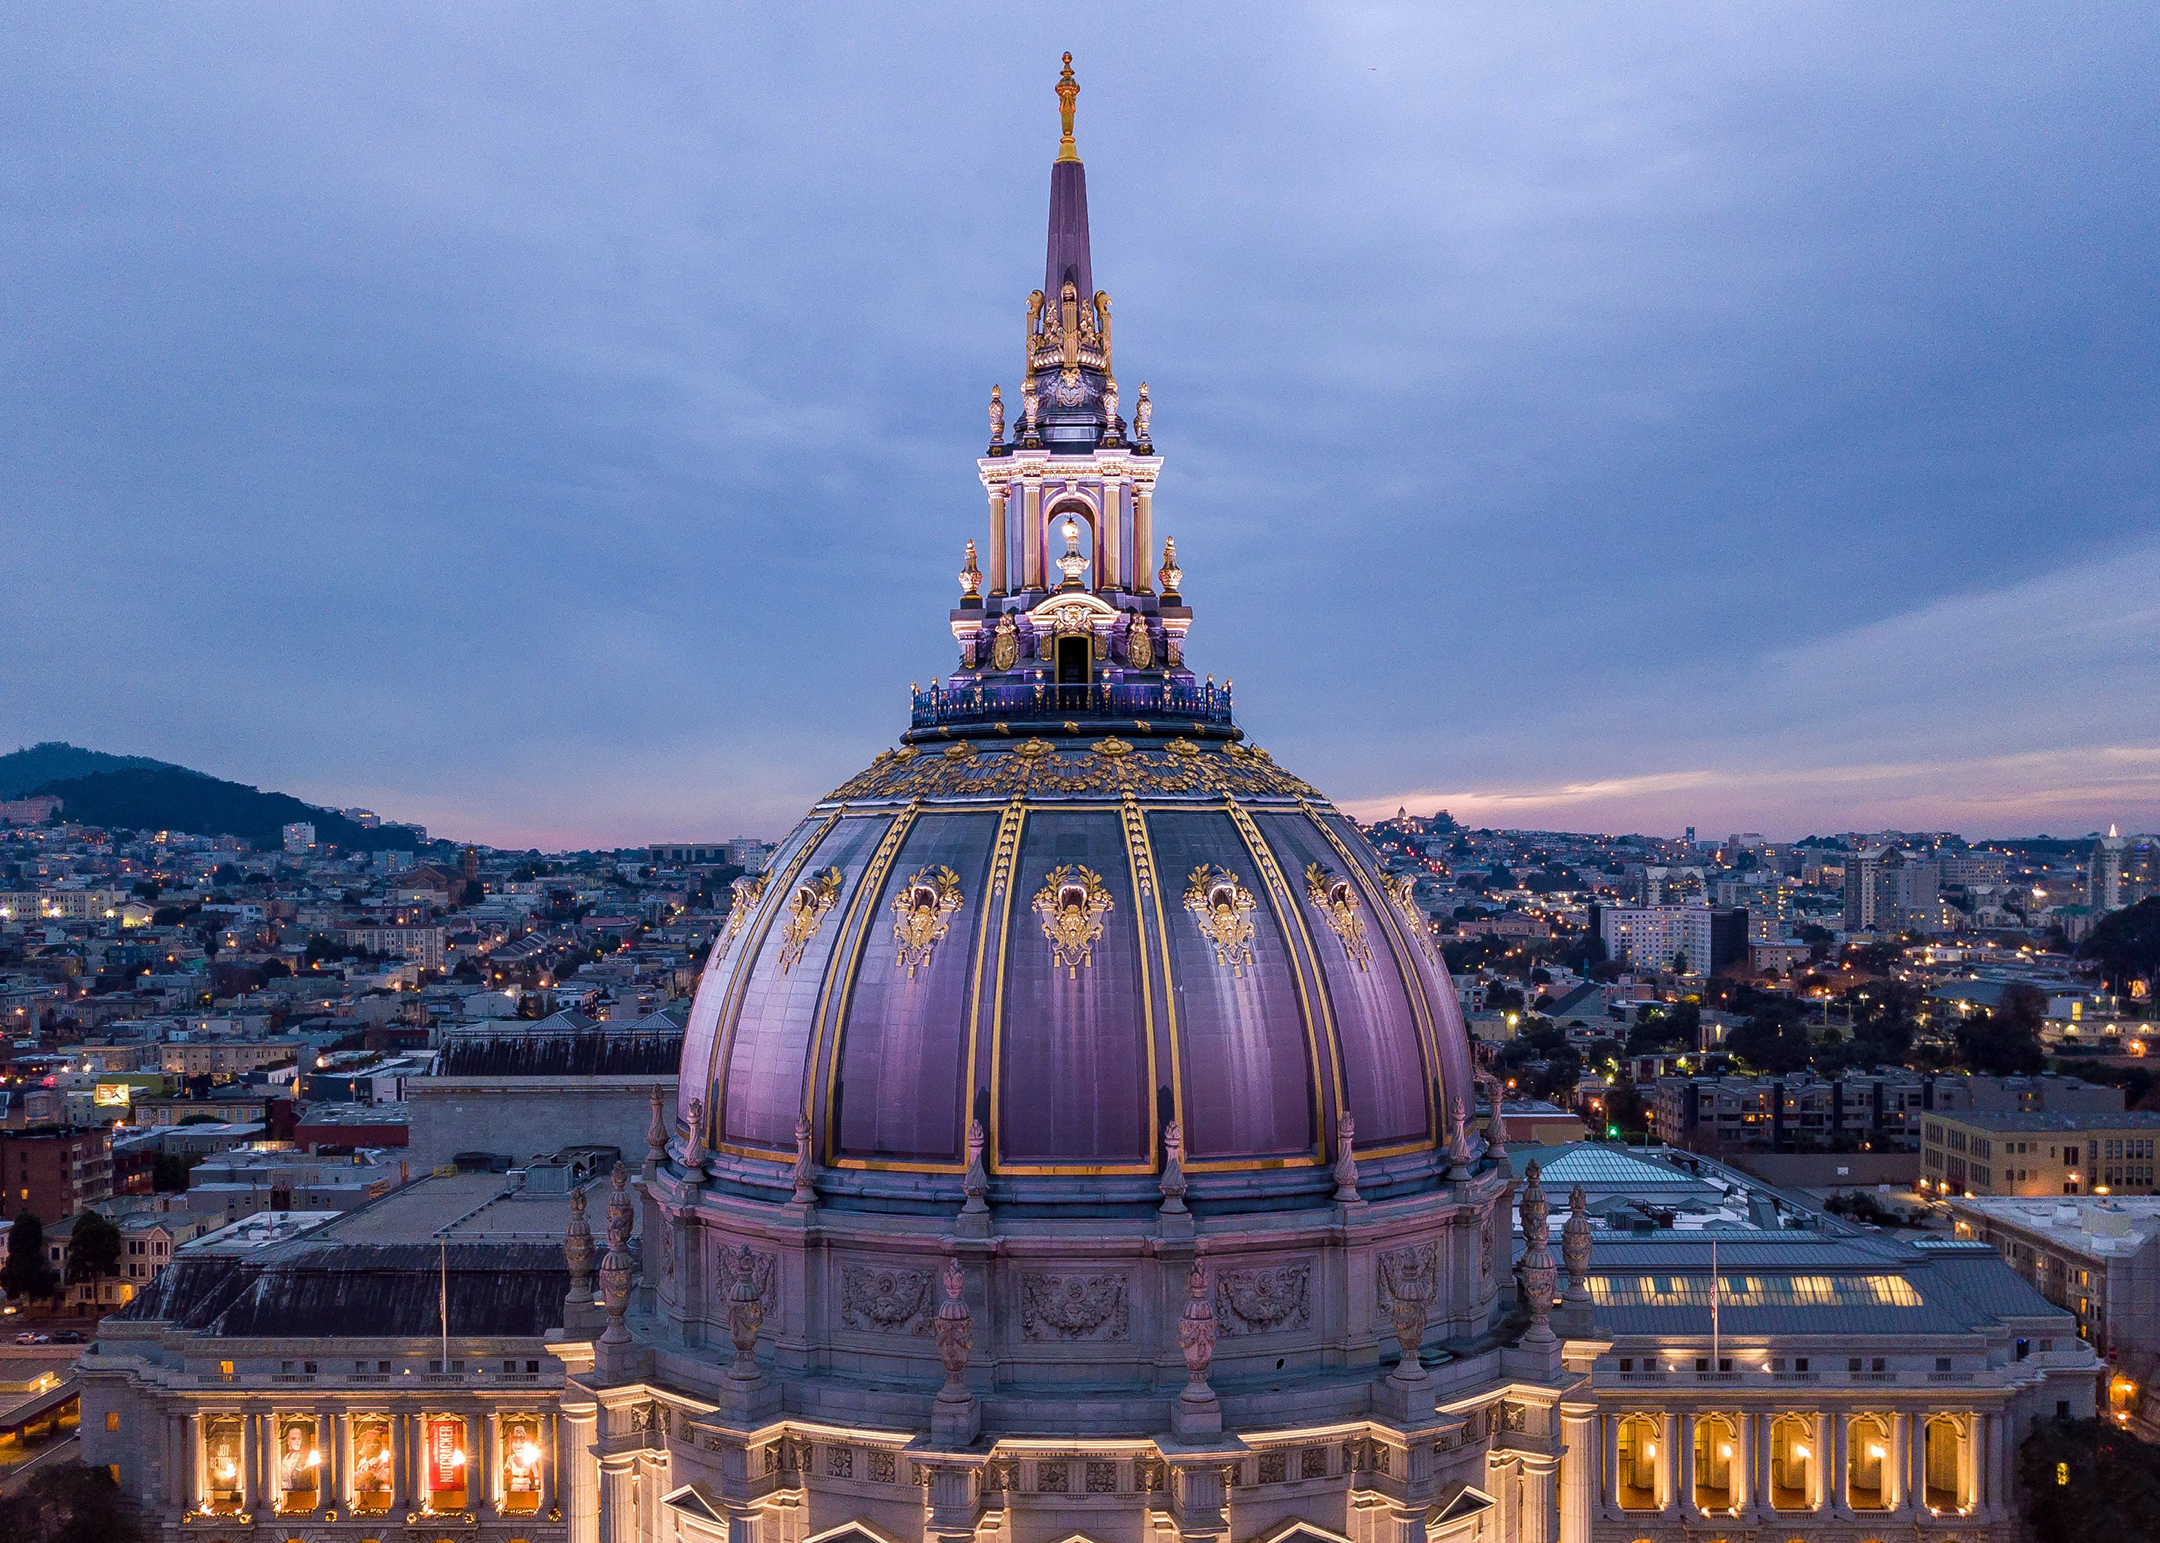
2087, 1224
2039, 1120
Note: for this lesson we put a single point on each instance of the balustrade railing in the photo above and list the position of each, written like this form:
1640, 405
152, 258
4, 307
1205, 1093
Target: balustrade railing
938, 704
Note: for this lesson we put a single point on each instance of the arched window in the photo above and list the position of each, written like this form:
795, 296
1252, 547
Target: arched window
1868, 1463
1943, 1462
1792, 1463
1715, 1455
1638, 1486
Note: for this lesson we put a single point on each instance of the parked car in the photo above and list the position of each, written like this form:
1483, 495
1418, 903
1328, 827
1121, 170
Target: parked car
29, 1338
71, 1337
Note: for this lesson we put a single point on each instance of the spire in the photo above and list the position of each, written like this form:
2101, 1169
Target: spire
1068, 255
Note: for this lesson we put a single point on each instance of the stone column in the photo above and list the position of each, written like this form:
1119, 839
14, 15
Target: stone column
1689, 1429
191, 1465
1199, 1495
581, 1471
998, 498
1840, 1471
618, 1483
1748, 1500
1668, 1468
1143, 540
1821, 1465
1540, 1496
1915, 1475
1031, 536
254, 1493
1611, 1490
1110, 539
1578, 1464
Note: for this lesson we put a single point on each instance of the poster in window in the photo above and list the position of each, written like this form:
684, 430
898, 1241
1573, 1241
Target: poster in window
299, 1463
445, 1438
223, 1453
520, 1463
373, 1483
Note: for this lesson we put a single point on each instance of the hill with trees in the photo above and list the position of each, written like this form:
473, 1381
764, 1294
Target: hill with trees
55, 760
174, 798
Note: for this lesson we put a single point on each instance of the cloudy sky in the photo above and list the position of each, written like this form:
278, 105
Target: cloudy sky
557, 424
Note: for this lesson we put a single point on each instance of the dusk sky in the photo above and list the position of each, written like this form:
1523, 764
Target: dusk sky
558, 425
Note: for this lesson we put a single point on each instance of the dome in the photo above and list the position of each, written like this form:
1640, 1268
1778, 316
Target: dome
1076, 940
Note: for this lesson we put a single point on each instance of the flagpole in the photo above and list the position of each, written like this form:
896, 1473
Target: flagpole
1715, 1293
445, 1302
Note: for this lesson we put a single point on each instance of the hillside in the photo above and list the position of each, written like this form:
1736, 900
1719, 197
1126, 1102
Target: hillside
173, 798
22, 770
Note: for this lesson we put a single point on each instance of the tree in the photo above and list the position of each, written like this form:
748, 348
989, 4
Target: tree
26, 1276
2006, 1042
2086, 1479
93, 1249
70, 1503
168, 1173
1773, 1040
2127, 944
1680, 962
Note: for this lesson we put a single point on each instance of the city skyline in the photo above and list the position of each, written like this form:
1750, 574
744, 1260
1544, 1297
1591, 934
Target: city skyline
1746, 427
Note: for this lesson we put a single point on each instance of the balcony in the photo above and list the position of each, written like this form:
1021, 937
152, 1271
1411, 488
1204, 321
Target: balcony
939, 706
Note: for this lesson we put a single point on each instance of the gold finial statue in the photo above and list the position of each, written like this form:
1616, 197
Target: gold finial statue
1068, 91
1169, 572
970, 575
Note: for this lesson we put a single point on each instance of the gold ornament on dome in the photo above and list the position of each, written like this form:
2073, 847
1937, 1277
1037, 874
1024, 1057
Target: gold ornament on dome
1182, 747
1072, 904
1336, 899
960, 752
1401, 889
921, 912
1034, 749
1005, 646
1223, 907
747, 891
1112, 747
806, 908
1139, 646
1169, 571
970, 575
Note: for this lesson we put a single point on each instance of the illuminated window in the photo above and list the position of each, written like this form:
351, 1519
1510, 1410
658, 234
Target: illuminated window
373, 1481
1714, 1451
445, 1445
517, 1439
223, 1482
1945, 1442
299, 1464
1792, 1463
112, 1419
1754, 1291
1867, 1464
1638, 1476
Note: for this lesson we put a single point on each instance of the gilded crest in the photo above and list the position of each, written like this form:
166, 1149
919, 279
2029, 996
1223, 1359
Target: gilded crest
1401, 889
1072, 904
806, 908
1223, 907
1139, 647
1336, 898
921, 912
746, 890
1005, 645
1112, 747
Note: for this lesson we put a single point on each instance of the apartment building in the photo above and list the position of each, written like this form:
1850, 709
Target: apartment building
2036, 1153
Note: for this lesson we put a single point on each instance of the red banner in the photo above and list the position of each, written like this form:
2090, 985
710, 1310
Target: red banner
445, 1452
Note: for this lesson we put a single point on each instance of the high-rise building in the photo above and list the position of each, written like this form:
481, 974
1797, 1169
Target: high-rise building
2104, 873
299, 837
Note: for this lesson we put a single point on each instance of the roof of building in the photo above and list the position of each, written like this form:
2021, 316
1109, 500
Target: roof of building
379, 1271
2087, 1224
2042, 1120
1804, 1282
541, 1050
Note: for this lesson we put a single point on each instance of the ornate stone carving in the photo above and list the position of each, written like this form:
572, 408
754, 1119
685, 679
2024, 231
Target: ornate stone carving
1170, 573
1143, 417
621, 1209
1538, 1271
1072, 904
1264, 1299
1047, 771
1410, 1262
578, 1249
806, 909
1346, 1159
1072, 562
885, 1300
1030, 407
805, 1184
1111, 425
1196, 1333
997, 420
694, 1142
975, 1183
955, 1331
1410, 1275
1139, 644
1336, 899
970, 576
922, 912
1575, 1245
1223, 907
1173, 1170
1460, 1153
1068, 1307
1005, 644
746, 892
655, 1135
1401, 891
617, 1268
745, 1311
1496, 1123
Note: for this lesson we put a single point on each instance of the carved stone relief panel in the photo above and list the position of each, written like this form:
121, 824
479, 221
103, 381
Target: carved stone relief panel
1069, 1307
764, 1273
1264, 1299
883, 1300
1413, 1265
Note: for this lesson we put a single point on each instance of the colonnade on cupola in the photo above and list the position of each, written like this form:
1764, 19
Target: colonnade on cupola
1110, 492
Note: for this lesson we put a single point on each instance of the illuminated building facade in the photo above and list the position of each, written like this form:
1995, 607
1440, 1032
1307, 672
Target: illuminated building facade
1071, 1141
